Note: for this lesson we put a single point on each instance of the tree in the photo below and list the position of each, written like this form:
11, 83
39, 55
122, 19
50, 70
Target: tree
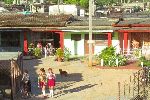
105, 2
84, 3
76, 2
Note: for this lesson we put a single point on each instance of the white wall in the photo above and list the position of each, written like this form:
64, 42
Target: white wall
70, 44
116, 44
98, 49
64, 9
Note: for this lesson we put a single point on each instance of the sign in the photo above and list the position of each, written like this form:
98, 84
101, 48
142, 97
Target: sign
90, 41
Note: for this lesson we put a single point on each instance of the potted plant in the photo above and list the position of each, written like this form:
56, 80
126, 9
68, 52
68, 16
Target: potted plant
59, 54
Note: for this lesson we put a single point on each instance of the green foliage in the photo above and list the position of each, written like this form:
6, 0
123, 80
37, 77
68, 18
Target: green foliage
67, 53
59, 53
37, 52
76, 2
107, 53
105, 2
109, 57
8, 1
84, 3
145, 61
136, 52
31, 49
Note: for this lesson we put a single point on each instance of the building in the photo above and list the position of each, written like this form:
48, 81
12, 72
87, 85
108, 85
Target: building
134, 30
17, 31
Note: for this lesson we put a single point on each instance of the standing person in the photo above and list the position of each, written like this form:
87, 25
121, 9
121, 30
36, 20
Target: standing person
26, 83
42, 81
51, 81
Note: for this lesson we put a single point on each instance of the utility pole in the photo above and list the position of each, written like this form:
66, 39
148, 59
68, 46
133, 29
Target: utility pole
90, 32
58, 3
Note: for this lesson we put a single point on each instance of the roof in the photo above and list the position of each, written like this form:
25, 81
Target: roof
133, 24
95, 22
45, 22
37, 19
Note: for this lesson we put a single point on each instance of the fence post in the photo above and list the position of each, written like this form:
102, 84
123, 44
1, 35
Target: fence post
124, 89
138, 82
142, 64
102, 62
133, 84
117, 62
118, 90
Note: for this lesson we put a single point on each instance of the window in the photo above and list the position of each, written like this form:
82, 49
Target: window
76, 37
100, 36
10, 39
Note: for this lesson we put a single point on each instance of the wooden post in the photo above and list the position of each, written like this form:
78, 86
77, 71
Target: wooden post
118, 90
61, 33
109, 39
125, 41
25, 42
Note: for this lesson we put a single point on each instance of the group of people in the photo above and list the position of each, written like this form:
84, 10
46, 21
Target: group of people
44, 79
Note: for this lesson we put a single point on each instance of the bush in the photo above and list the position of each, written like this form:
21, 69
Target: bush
109, 57
59, 53
67, 53
145, 61
31, 49
37, 52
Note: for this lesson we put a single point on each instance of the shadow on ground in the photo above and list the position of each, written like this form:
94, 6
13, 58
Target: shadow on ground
73, 90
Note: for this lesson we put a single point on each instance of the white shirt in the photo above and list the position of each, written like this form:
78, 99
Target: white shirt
51, 76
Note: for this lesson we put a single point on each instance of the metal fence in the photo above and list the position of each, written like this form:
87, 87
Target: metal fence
138, 86
10, 72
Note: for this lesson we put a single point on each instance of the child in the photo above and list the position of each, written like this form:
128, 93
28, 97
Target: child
51, 81
26, 83
42, 81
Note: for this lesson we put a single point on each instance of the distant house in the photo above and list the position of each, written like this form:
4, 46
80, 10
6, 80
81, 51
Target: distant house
66, 9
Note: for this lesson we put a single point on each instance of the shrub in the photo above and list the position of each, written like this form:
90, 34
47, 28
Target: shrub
59, 53
67, 53
37, 52
145, 61
31, 49
109, 57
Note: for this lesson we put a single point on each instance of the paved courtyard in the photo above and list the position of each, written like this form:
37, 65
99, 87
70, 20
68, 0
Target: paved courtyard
83, 83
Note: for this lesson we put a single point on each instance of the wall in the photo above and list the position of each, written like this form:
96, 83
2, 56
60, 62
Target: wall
71, 44
115, 42
65, 9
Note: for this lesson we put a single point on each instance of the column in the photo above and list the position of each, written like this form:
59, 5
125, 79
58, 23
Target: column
109, 39
125, 41
61, 42
25, 44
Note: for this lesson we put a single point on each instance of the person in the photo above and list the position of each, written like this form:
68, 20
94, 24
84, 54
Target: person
42, 80
51, 81
26, 83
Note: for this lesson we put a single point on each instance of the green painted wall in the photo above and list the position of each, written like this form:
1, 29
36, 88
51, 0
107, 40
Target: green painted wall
76, 47
115, 36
